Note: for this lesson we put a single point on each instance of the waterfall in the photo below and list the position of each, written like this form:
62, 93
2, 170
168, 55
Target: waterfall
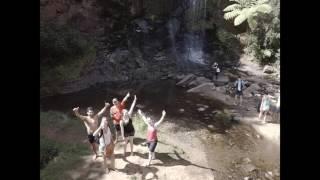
191, 54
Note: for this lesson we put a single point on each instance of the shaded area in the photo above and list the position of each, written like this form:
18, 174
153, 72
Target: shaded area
153, 96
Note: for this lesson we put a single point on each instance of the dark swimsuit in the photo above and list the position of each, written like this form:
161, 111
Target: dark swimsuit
128, 129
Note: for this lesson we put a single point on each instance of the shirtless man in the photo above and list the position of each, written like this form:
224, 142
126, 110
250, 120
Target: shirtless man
116, 114
91, 123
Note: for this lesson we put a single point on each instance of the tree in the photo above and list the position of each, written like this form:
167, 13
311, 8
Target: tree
243, 10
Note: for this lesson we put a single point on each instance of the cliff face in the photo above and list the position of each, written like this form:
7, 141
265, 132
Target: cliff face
139, 40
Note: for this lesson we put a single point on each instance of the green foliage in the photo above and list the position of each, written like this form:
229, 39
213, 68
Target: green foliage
48, 151
58, 120
57, 157
64, 52
243, 10
227, 38
264, 39
60, 42
70, 154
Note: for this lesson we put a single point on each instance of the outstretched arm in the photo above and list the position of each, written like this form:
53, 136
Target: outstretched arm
125, 98
101, 112
132, 105
161, 119
143, 117
76, 112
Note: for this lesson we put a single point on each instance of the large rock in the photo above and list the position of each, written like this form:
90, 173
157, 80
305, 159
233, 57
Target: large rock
198, 81
252, 90
222, 80
143, 25
161, 56
119, 56
268, 69
248, 168
186, 80
207, 90
205, 87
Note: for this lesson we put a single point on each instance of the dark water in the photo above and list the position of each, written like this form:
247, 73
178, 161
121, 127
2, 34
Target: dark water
153, 97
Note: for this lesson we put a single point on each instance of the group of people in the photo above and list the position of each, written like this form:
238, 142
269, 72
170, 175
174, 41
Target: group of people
264, 107
122, 120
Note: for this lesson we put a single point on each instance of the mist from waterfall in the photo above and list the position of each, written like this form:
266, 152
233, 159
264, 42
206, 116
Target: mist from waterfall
193, 40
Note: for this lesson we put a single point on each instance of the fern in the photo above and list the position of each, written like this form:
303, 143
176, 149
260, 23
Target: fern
240, 19
232, 7
232, 14
243, 10
263, 8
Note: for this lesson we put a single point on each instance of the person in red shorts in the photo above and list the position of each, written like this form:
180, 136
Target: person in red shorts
116, 114
152, 138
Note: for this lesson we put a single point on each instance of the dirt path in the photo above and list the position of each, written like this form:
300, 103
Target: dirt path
189, 152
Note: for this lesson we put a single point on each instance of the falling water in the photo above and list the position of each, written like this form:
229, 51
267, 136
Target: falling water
195, 39
192, 53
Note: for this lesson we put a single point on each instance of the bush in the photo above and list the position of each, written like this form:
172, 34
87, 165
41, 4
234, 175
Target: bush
60, 43
57, 157
70, 154
264, 40
48, 151
64, 52
57, 120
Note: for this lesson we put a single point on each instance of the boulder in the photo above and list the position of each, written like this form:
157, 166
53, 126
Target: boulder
200, 109
119, 56
268, 69
186, 80
248, 168
252, 89
205, 87
207, 90
222, 80
198, 81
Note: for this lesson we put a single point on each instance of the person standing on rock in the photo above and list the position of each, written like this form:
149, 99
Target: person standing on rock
106, 144
152, 138
91, 123
215, 65
265, 107
214, 68
217, 72
116, 114
239, 85
128, 129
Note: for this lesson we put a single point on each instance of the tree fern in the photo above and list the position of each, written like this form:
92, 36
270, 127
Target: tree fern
240, 19
263, 8
232, 7
243, 10
232, 14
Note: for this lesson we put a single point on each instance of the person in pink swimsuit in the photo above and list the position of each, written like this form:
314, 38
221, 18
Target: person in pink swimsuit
152, 138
